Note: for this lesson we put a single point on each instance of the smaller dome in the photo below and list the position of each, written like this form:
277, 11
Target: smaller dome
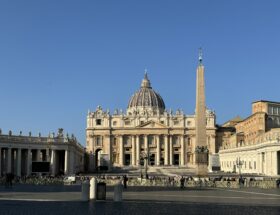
146, 97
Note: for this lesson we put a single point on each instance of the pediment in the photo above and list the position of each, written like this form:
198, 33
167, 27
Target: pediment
152, 124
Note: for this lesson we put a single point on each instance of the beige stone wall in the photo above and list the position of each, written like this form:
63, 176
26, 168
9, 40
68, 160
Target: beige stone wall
252, 127
259, 107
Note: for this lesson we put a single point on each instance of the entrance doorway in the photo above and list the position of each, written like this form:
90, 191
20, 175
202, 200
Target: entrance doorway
127, 159
176, 158
152, 159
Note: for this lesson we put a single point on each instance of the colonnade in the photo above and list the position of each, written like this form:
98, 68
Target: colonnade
163, 147
19, 160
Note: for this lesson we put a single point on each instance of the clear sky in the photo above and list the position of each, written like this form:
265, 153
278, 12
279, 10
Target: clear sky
60, 58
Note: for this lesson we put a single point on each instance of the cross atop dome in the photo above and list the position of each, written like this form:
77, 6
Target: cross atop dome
200, 56
146, 82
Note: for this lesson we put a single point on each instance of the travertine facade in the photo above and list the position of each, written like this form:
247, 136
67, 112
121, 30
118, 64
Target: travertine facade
145, 129
254, 146
17, 153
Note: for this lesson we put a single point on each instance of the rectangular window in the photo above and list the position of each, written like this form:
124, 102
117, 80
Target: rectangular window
270, 110
98, 122
176, 122
162, 122
98, 141
127, 122
275, 110
114, 123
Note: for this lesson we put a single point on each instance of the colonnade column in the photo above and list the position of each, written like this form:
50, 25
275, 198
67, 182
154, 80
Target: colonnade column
259, 164
158, 150
110, 151
182, 151
66, 162
171, 149
9, 161
166, 150
121, 151
29, 162
72, 162
19, 162
137, 150
38, 155
53, 162
47, 155
146, 148
133, 153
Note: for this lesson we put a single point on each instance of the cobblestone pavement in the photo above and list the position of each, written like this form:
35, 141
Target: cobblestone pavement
28, 199
129, 207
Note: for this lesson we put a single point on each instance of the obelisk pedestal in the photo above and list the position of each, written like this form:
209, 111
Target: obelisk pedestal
201, 157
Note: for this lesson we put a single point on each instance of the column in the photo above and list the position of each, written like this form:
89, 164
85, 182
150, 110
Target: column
158, 150
166, 150
29, 162
53, 162
38, 155
72, 161
19, 162
47, 155
171, 149
110, 151
146, 148
66, 162
137, 150
121, 151
133, 153
9, 161
182, 151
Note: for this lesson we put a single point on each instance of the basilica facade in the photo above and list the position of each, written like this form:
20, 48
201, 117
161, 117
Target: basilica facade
145, 131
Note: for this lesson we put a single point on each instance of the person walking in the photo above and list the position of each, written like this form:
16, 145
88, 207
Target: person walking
125, 179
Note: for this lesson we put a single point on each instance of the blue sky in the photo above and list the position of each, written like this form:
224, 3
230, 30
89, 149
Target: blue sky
60, 58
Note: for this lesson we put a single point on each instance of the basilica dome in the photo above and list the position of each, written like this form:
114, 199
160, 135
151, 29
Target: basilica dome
146, 98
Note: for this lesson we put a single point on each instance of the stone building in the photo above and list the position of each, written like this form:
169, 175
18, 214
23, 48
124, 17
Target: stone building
254, 144
145, 130
55, 154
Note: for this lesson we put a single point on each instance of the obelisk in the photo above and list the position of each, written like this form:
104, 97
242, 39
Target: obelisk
201, 151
